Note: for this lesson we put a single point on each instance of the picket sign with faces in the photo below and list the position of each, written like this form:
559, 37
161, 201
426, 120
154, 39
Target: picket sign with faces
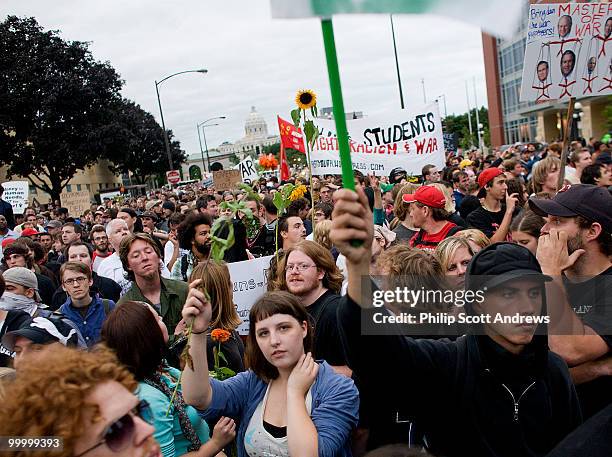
568, 52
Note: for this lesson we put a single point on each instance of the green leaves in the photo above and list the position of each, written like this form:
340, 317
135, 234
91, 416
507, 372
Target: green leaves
249, 192
281, 198
296, 116
311, 132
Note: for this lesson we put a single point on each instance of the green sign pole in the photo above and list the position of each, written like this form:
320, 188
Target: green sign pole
338, 104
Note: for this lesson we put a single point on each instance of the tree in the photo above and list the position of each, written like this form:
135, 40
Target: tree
56, 105
138, 143
459, 124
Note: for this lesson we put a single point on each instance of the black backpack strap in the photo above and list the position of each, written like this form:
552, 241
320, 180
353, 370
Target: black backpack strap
184, 266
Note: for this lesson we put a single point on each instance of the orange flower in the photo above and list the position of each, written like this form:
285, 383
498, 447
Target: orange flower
220, 335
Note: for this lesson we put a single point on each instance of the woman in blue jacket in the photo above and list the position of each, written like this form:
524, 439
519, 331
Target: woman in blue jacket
139, 336
286, 403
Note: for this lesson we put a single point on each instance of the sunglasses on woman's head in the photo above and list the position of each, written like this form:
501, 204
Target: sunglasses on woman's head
119, 434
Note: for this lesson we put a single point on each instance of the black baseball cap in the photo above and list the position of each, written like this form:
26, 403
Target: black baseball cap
396, 173
586, 200
41, 330
502, 262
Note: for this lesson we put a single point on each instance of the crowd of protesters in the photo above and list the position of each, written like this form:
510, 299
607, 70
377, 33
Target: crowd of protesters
114, 322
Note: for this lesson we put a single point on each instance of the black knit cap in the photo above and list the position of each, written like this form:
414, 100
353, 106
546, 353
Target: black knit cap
499, 263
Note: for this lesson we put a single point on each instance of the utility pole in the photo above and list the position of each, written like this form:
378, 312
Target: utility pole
424, 95
467, 98
478, 125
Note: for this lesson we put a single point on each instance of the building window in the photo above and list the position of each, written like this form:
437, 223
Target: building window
78, 187
69, 188
88, 187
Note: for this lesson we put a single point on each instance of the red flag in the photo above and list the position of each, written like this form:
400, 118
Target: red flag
291, 137
285, 174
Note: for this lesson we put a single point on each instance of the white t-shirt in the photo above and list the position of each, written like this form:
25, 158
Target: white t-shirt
258, 442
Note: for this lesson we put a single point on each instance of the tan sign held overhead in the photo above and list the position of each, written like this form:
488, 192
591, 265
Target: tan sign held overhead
226, 179
76, 202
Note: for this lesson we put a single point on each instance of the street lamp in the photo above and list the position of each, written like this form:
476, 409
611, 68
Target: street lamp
203, 125
161, 113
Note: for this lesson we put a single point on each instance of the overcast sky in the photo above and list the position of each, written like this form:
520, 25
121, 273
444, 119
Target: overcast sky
254, 60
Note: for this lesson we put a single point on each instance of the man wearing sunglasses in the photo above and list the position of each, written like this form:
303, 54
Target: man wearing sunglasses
100, 417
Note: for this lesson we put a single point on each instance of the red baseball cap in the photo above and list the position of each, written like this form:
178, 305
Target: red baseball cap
428, 196
7, 241
29, 232
486, 177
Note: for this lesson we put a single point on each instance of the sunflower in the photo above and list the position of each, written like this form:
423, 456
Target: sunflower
306, 99
297, 192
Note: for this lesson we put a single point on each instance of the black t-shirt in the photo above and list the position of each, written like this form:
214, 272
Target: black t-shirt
592, 302
327, 344
233, 350
486, 221
14, 321
46, 289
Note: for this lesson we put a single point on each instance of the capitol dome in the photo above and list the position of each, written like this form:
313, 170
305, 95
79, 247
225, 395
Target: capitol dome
255, 125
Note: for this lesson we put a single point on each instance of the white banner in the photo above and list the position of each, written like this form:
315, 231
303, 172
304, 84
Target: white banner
378, 144
247, 170
249, 279
16, 193
566, 53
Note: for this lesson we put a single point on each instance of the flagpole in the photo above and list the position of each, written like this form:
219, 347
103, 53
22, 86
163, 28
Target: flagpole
397, 68
566, 134
348, 181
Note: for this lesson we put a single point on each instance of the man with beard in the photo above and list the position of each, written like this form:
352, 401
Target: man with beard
575, 249
99, 239
193, 235
309, 272
141, 259
260, 238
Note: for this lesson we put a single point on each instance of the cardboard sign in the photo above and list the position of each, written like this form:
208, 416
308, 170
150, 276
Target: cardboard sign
378, 144
76, 202
16, 193
226, 179
247, 171
249, 279
568, 51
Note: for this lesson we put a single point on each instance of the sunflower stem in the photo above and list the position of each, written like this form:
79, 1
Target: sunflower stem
312, 217
178, 382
